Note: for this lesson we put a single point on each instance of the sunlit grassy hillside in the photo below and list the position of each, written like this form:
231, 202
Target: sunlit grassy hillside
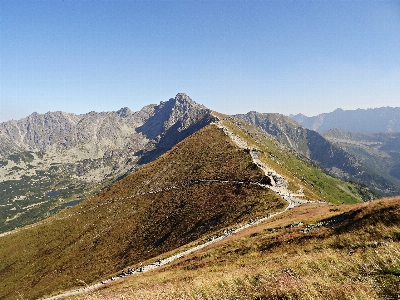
202, 185
310, 252
156, 209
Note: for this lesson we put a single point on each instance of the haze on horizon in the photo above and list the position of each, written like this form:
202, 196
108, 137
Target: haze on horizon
289, 57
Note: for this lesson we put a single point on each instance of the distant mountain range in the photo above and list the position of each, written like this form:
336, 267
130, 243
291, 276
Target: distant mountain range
373, 120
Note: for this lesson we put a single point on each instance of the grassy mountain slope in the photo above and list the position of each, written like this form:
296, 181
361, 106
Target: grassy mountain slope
203, 184
156, 209
310, 252
302, 173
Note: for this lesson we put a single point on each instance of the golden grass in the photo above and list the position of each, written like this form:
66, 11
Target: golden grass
111, 230
126, 224
356, 259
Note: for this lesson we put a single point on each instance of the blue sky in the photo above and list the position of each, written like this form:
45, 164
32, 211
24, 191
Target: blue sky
232, 56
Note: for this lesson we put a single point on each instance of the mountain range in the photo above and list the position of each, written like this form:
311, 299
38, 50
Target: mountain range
372, 120
222, 175
53, 160
101, 192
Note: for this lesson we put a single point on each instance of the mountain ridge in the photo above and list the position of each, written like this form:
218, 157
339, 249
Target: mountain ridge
204, 184
48, 160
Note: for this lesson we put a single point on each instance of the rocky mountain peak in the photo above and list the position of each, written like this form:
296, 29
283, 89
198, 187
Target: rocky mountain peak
180, 116
124, 112
76, 153
184, 101
182, 97
40, 131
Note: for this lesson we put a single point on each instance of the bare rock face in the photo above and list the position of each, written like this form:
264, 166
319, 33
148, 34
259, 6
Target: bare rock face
124, 112
38, 132
74, 153
174, 120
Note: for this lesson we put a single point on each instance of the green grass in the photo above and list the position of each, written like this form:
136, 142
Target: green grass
300, 172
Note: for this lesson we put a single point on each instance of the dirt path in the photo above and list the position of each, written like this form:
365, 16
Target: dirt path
279, 183
164, 261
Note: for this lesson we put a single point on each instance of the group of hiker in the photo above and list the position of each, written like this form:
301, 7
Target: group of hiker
131, 271
124, 273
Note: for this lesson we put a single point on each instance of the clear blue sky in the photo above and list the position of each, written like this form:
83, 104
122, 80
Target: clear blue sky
232, 56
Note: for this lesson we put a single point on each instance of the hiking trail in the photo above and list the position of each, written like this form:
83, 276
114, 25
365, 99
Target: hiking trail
279, 185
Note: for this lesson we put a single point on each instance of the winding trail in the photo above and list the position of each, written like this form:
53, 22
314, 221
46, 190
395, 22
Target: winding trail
279, 185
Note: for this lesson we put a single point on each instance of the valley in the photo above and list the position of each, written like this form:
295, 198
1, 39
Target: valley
377, 151
47, 161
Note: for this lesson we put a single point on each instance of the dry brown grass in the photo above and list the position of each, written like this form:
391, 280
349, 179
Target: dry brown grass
356, 259
126, 224
107, 232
